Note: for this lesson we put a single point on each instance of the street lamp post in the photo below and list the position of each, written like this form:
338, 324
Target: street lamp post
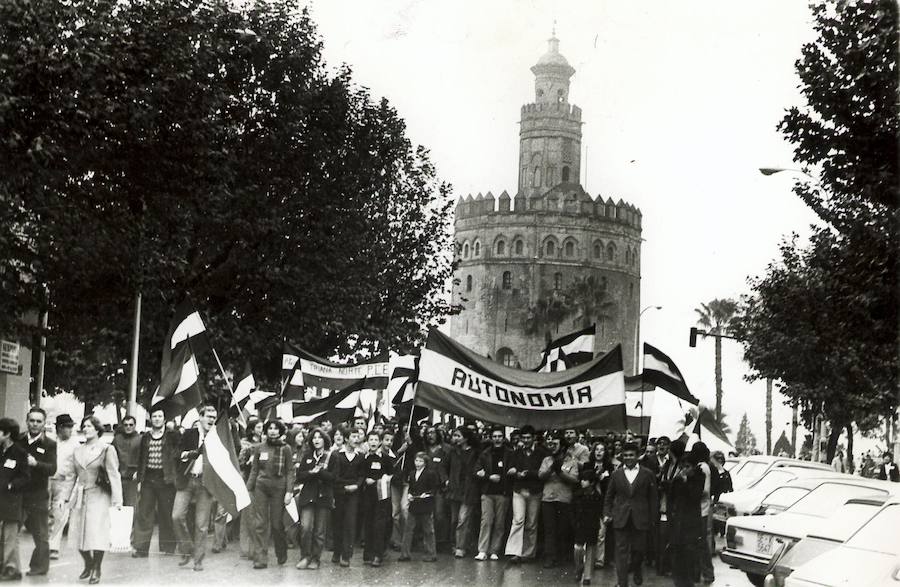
637, 332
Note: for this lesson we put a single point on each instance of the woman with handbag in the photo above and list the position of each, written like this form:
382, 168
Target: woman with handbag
98, 486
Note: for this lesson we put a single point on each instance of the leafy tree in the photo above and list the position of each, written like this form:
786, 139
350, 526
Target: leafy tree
590, 298
201, 147
745, 442
824, 318
716, 317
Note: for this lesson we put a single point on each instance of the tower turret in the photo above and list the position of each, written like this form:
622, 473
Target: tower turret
550, 127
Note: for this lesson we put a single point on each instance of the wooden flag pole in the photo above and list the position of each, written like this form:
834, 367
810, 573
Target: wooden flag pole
230, 387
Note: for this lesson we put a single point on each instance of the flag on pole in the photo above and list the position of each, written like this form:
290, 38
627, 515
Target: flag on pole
339, 406
661, 371
221, 475
179, 390
240, 401
404, 374
707, 419
568, 351
308, 376
455, 379
185, 327
639, 398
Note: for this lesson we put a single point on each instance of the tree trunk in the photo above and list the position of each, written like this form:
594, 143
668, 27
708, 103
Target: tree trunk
718, 379
849, 463
768, 416
833, 437
794, 423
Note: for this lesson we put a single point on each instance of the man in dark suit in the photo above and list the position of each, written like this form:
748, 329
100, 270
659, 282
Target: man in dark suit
631, 506
36, 495
157, 463
190, 489
888, 471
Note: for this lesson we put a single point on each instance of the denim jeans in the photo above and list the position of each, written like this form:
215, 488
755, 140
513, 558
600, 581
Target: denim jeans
493, 523
426, 522
522, 540
313, 523
197, 493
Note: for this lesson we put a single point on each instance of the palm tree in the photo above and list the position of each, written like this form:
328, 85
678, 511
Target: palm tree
716, 317
590, 297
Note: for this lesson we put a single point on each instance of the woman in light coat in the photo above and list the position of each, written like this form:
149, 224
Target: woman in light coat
89, 524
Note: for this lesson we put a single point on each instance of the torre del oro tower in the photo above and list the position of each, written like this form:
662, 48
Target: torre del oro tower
549, 259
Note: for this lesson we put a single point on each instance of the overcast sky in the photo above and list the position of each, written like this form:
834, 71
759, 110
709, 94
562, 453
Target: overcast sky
680, 100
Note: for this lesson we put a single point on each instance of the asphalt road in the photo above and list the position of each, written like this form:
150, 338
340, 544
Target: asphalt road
227, 568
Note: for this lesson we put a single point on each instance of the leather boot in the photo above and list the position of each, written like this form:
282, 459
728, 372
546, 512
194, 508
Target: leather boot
95, 571
88, 563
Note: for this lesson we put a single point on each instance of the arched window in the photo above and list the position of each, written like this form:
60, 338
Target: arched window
550, 249
477, 249
536, 177
565, 173
501, 247
506, 357
468, 283
557, 281
507, 280
466, 251
552, 203
598, 250
610, 252
628, 256
570, 249
520, 247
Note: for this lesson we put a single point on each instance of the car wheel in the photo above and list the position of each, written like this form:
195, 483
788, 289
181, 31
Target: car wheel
755, 580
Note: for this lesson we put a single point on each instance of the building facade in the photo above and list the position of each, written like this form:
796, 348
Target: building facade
550, 259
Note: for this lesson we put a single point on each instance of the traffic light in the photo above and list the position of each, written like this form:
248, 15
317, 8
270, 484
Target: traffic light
693, 341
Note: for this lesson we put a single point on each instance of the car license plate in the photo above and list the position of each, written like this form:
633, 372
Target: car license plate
764, 543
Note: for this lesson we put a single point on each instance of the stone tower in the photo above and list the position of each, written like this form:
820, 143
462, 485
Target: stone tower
550, 259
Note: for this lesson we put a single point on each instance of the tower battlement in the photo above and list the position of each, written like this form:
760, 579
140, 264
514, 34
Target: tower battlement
555, 202
554, 109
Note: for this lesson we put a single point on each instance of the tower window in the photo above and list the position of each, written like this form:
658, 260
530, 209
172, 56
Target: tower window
598, 251
466, 251
628, 256
477, 249
570, 249
520, 247
536, 177
610, 252
557, 281
468, 283
506, 357
560, 96
550, 249
565, 173
501, 247
507, 280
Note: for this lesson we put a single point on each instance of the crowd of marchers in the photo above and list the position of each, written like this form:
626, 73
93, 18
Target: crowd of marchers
559, 497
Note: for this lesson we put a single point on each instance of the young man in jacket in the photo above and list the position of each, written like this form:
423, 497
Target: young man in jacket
493, 463
157, 463
376, 502
36, 495
127, 443
527, 488
462, 488
887, 470
15, 475
559, 472
347, 468
631, 507
423, 483
190, 489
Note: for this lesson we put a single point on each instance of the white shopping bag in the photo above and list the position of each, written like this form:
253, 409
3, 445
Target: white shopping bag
120, 528
292, 511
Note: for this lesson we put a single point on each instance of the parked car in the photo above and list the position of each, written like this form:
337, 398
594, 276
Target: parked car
731, 462
839, 527
869, 558
751, 469
752, 540
743, 502
782, 498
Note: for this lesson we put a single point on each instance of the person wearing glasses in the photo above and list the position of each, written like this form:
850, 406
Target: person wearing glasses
127, 443
36, 495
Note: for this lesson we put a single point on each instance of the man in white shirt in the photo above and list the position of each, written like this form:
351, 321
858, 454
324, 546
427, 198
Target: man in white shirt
62, 481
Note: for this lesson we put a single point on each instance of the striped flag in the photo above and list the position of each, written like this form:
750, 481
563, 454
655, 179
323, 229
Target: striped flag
240, 401
707, 419
568, 351
339, 406
404, 374
308, 376
179, 390
221, 475
639, 398
661, 371
457, 380
185, 327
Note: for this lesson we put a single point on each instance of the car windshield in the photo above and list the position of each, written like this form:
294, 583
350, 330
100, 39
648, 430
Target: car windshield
747, 473
880, 534
784, 497
774, 478
826, 498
